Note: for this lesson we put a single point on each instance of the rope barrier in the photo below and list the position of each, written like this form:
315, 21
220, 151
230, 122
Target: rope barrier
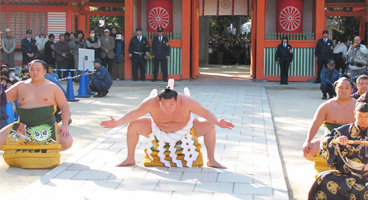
67, 70
55, 70
74, 77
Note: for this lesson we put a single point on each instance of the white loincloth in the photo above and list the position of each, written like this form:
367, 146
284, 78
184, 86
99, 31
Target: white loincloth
183, 135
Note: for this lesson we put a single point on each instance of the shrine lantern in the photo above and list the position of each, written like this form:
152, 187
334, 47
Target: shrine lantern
289, 16
159, 14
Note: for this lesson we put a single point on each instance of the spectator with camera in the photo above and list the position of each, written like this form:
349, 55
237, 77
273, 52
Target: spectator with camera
356, 57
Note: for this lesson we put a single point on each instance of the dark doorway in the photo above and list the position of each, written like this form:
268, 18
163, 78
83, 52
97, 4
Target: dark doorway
229, 40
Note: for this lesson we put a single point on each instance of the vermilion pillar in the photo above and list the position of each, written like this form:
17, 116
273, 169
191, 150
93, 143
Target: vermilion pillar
260, 37
195, 38
185, 49
129, 14
362, 28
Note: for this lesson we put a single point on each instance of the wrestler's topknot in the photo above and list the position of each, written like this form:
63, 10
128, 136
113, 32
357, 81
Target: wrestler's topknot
168, 93
43, 63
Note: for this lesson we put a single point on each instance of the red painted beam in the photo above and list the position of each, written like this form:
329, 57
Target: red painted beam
102, 13
341, 5
293, 43
115, 5
347, 14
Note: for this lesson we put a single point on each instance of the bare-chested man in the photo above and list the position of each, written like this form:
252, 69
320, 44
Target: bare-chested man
334, 113
171, 112
37, 99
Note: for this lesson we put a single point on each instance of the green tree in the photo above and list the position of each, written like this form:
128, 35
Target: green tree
110, 21
219, 24
348, 28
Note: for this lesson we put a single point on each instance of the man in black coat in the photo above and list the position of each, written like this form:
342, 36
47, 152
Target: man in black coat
284, 56
323, 53
29, 48
160, 53
138, 48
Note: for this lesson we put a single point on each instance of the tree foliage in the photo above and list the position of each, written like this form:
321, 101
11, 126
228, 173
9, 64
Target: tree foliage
110, 21
220, 23
347, 28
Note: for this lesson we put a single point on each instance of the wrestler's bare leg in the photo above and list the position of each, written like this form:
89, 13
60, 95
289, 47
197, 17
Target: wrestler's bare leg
315, 145
66, 142
3, 133
206, 129
141, 126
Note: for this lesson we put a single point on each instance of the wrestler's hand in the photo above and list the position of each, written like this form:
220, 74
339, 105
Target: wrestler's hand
343, 140
63, 131
225, 124
307, 147
109, 123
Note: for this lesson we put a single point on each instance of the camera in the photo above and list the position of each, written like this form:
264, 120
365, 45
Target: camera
356, 45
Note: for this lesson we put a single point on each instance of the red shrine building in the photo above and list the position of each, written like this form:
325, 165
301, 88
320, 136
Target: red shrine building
302, 20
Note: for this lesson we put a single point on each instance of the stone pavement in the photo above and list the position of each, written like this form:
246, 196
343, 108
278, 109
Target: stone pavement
249, 151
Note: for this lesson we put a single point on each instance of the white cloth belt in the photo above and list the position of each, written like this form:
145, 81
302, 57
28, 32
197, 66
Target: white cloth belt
171, 137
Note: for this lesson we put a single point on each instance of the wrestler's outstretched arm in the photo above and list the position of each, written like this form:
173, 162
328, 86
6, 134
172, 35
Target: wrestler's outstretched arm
318, 119
199, 110
140, 111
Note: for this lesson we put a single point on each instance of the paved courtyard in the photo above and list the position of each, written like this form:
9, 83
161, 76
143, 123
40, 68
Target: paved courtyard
249, 151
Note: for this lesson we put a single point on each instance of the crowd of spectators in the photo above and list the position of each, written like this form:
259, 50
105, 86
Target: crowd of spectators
64, 53
229, 49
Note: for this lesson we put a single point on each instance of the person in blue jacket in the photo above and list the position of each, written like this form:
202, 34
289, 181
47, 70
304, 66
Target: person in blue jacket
58, 110
328, 77
101, 81
3, 102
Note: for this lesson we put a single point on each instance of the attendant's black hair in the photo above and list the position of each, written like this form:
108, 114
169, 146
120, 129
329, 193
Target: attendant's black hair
340, 80
168, 93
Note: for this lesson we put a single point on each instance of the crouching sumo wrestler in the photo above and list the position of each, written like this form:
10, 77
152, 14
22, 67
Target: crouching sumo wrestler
169, 126
36, 139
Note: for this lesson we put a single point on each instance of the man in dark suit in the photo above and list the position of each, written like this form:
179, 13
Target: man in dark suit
323, 53
138, 48
29, 48
160, 54
284, 56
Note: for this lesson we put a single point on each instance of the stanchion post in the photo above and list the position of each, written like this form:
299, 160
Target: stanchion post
82, 91
70, 90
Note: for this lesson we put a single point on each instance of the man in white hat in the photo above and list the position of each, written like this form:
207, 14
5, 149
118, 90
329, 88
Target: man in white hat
8, 44
107, 50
